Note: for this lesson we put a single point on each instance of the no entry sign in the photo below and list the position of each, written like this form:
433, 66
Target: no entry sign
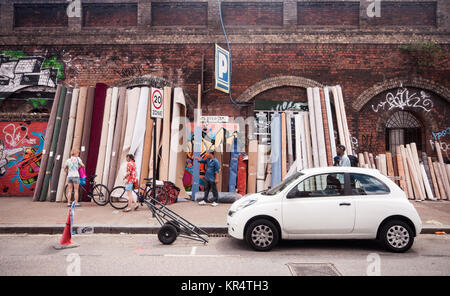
157, 108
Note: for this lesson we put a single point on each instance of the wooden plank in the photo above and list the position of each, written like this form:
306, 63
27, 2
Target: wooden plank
361, 161
283, 147
165, 152
81, 109
326, 91
427, 171
401, 171
308, 141
414, 175
313, 129
407, 174
383, 166
433, 178
348, 142
437, 171
443, 170
366, 159
252, 163
372, 161
290, 150
417, 164
338, 116
321, 147
426, 183
261, 167
299, 141
390, 164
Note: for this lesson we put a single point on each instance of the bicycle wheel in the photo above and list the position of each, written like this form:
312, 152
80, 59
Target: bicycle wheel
118, 197
100, 194
161, 196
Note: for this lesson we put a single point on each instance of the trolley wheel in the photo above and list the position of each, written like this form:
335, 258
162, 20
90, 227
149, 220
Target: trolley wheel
174, 224
167, 234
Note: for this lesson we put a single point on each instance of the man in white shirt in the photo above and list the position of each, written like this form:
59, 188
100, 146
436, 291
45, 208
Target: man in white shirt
344, 160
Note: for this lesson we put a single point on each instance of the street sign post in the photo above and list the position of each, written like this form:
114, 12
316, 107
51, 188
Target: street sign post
156, 111
222, 70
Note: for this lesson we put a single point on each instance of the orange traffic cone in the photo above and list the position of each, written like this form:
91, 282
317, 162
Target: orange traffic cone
66, 240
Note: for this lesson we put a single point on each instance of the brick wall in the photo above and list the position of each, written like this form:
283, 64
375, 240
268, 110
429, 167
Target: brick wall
179, 14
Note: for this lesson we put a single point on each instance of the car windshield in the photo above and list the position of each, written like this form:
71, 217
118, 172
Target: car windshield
280, 187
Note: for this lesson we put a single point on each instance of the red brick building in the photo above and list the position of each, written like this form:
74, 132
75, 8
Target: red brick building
387, 56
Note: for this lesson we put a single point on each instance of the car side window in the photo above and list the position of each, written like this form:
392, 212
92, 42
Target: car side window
319, 186
367, 185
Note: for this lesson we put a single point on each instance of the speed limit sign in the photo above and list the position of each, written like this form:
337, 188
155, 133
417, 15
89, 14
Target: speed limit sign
157, 108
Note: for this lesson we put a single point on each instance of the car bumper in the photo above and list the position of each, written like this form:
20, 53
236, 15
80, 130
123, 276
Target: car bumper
235, 229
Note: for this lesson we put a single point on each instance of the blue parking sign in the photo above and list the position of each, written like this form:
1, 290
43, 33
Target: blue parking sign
222, 69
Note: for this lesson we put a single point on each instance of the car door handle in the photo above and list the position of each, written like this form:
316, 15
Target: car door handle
345, 204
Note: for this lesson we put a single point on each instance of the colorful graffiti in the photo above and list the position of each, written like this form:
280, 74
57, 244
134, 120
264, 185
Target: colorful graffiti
211, 132
18, 70
21, 146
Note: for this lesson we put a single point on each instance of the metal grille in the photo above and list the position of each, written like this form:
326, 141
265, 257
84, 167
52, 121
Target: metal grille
313, 269
403, 128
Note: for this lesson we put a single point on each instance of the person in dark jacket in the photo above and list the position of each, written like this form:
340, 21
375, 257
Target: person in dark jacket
211, 177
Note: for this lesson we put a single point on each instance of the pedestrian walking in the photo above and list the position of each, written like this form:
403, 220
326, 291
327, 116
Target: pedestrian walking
211, 177
73, 164
344, 160
130, 178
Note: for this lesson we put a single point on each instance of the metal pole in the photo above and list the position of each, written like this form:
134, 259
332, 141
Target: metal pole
154, 160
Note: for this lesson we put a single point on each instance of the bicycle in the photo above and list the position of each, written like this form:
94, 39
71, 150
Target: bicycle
118, 198
98, 192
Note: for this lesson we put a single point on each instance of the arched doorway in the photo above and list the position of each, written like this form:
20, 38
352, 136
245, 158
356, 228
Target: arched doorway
402, 128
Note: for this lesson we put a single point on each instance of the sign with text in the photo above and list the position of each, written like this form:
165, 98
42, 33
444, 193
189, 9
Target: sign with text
222, 70
157, 107
214, 119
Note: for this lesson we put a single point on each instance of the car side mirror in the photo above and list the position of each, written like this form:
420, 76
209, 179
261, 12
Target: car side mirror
292, 194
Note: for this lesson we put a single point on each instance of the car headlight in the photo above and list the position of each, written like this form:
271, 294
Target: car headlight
244, 205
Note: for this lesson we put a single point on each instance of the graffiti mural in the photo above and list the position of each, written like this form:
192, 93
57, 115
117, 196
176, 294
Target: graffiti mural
210, 132
18, 70
405, 98
21, 146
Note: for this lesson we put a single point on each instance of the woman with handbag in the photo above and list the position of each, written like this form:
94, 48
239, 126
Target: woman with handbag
131, 180
73, 164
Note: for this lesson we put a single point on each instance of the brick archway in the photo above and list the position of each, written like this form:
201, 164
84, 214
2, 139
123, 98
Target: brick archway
274, 82
417, 82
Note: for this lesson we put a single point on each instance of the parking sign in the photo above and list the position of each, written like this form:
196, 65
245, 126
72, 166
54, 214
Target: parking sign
157, 107
222, 69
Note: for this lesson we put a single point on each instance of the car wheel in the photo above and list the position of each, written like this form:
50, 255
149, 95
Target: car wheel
397, 236
262, 235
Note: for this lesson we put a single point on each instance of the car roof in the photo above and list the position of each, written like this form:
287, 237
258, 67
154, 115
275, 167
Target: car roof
336, 169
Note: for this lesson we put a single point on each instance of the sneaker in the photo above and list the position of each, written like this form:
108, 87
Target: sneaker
202, 203
214, 204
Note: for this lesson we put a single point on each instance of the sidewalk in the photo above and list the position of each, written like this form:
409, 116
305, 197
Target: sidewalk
21, 215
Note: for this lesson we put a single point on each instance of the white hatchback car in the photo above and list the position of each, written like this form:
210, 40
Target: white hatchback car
327, 203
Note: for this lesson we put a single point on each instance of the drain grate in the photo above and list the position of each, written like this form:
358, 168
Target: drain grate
313, 269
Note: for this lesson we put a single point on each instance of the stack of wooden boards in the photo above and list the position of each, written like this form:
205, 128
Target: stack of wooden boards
418, 176
105, 124
313, 144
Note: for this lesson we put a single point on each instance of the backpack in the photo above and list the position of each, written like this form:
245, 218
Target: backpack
353, 160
